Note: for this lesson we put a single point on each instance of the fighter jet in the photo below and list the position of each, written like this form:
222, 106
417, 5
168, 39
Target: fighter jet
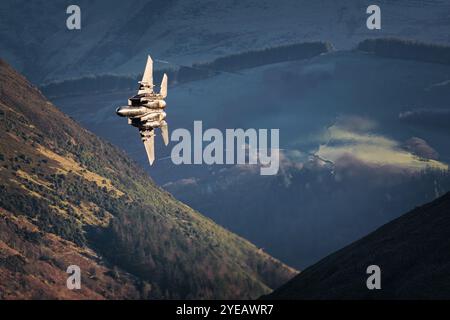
145, 110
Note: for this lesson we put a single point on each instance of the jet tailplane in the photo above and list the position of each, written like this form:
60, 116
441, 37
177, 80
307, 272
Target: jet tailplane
165, 132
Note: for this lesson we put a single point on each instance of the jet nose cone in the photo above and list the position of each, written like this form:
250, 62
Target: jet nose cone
120, 111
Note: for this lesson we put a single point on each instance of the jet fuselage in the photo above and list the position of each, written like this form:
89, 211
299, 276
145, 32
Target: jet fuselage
145, 110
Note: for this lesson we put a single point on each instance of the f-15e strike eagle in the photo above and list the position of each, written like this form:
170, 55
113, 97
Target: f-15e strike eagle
145, 110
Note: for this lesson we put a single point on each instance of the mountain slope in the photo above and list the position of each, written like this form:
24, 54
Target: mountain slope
64, 183
33, 264
412, 252
117, 41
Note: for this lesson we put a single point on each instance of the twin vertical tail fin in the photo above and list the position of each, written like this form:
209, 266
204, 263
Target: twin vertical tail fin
163, 91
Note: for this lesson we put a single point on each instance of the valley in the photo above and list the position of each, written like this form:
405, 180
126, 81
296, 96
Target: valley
353, 149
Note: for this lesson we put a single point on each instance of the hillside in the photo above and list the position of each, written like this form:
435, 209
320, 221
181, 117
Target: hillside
117, 41
183, 74
33, 264
412, 252
68, 197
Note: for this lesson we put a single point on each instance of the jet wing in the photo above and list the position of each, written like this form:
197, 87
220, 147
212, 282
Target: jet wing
148, 137
147, 78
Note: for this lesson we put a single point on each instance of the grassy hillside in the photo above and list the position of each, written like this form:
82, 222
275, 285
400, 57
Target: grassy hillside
33, 264
411, 251
68, 183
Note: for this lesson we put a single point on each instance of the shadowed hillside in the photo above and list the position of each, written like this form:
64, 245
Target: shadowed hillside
67, 197
412, 252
